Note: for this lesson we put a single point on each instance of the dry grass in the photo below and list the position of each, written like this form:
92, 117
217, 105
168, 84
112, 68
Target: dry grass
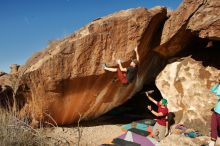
14, 131
17, 132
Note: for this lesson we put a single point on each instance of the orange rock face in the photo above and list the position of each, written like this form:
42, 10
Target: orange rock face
193, 18
66, 80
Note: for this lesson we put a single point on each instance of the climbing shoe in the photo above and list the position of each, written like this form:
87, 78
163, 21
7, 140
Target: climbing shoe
115, 79
104, 66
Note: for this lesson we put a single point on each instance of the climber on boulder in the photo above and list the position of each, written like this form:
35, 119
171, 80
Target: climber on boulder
160, 129
126, 75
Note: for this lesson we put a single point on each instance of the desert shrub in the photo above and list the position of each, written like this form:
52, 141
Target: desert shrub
17, 132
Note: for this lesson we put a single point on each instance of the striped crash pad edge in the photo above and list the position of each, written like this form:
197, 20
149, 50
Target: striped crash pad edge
135, 138
141, 125
138, 132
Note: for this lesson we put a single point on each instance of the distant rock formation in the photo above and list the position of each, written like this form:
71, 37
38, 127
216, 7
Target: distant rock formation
9, 85
14, 68
2, 73
6, 89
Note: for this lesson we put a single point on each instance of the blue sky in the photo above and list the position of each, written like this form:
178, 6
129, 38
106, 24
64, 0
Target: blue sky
26, 26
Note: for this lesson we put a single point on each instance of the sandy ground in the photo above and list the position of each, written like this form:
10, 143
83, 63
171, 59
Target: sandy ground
218, 142
91, 136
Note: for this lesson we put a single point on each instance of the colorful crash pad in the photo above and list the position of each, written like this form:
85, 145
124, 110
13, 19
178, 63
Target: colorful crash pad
138, 139
122, 142
142, 124
136, 133
139, 132
138, 126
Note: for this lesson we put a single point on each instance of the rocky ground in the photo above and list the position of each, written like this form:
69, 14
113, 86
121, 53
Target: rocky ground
91, 136
97, 135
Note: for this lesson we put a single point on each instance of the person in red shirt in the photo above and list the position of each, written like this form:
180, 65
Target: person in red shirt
160, 129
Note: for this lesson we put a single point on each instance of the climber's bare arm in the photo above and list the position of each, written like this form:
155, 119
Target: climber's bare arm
137, 55
160, 114
150, 98
111, 69
121, 67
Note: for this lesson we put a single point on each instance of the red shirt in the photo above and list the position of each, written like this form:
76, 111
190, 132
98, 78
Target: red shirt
162, 119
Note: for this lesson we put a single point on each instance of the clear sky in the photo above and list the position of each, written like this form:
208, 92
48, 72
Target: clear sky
26, 26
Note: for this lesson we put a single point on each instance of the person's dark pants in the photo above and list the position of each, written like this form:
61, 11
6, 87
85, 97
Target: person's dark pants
215, 126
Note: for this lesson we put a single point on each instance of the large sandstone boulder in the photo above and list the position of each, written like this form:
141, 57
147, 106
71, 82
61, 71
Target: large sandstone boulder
193, 19
186, 84
66, 82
